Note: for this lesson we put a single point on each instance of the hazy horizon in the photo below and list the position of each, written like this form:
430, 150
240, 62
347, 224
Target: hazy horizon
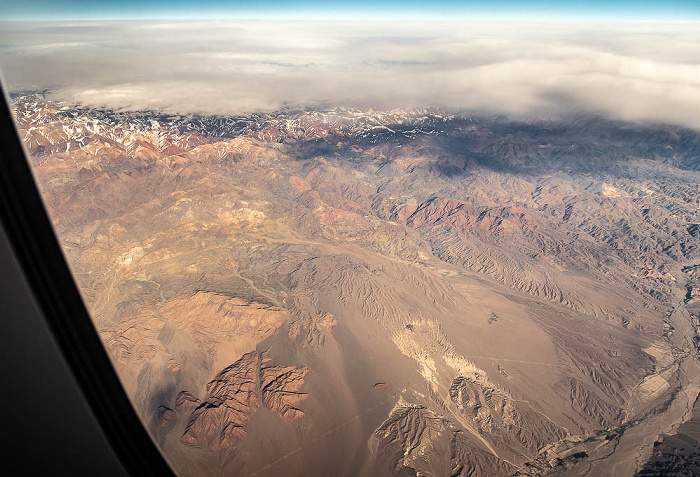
628, 71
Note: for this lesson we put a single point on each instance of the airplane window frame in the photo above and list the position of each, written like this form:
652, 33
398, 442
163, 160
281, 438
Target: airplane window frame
36, 247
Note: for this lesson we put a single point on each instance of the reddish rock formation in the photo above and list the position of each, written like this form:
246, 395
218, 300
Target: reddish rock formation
166, 416
234, 397
280, 388
185, 402
231, 401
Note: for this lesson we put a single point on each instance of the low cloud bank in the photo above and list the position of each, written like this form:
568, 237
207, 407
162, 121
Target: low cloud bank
631, 71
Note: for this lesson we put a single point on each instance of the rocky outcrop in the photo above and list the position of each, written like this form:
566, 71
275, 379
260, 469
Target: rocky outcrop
504, 421
185, 403
166, 416
280, 387
232, 398
213, 318
221, 326
414, 440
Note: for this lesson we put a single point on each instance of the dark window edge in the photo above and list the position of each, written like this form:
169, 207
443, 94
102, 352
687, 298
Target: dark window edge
45, 269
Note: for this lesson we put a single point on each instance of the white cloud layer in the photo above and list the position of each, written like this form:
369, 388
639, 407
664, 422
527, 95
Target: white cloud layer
632, 71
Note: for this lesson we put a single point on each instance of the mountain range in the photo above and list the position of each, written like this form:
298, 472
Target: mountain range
342, 291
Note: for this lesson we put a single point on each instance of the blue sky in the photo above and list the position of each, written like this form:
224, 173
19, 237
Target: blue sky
203, 9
